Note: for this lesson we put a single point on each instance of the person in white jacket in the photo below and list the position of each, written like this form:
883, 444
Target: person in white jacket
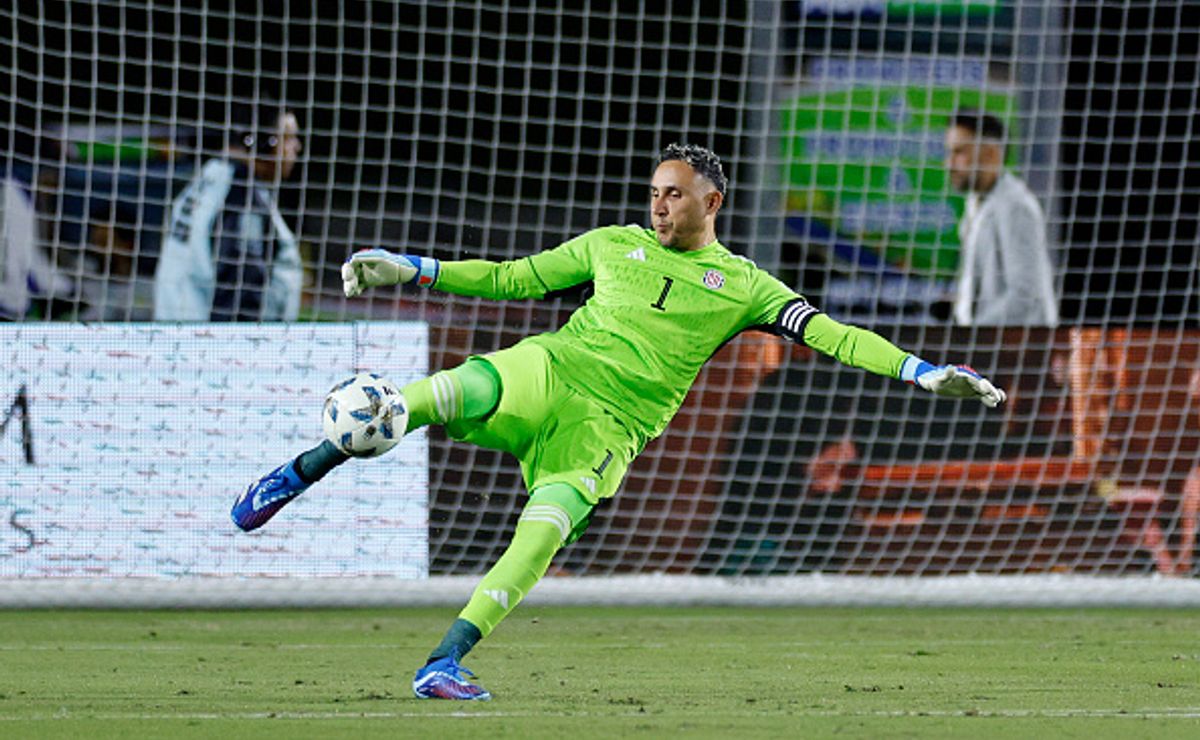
228, 255
1005, 275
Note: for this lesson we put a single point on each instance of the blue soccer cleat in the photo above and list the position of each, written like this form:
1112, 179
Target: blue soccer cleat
264, 499
446, 679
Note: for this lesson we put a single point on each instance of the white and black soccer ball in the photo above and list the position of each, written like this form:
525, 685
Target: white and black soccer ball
365, 416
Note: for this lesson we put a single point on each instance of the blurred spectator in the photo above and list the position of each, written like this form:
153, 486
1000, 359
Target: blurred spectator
25, 271
1005, 277
228, 255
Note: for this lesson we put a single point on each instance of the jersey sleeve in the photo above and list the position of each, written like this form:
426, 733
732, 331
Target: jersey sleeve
564, 266
854, 346
779, 310
568, 264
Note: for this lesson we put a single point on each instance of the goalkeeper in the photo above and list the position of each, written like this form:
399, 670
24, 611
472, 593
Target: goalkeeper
576, 406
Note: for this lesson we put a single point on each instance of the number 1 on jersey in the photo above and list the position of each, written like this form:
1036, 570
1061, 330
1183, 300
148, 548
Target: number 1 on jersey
663, 296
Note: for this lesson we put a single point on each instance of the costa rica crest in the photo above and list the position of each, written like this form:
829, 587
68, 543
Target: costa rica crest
714, 280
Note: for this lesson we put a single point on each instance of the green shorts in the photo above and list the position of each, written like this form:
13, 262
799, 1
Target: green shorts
558, 435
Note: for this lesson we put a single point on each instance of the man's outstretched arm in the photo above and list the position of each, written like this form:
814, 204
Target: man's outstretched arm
862, 348
374, 268
530, 277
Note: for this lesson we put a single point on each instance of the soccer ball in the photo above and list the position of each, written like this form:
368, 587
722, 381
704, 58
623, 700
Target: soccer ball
365, 416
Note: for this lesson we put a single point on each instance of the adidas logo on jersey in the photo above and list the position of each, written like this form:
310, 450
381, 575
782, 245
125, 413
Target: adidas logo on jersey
589, 482
500, 597
638, 254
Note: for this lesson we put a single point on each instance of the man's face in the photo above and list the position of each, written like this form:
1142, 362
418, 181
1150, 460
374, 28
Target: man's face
970, 162
281, 160
681, 201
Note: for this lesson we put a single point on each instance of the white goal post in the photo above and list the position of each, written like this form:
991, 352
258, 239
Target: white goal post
1047, 590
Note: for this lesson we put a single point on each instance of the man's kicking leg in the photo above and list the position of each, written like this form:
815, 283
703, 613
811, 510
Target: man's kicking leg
469, 391
556, 513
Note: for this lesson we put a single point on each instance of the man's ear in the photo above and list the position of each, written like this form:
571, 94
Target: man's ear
713, 202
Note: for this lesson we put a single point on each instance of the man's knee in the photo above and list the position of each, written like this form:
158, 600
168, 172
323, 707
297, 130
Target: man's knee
562, 505
481, 387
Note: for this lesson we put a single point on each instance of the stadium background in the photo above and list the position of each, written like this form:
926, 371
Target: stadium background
497, 129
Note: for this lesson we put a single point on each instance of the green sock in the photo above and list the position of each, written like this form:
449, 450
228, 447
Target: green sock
458, 641
516, 572
315, 464
469, 391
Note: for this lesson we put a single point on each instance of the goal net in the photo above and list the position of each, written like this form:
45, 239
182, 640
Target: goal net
477, 129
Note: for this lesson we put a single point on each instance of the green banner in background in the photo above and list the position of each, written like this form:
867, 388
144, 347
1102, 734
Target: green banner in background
865, 156
919, 7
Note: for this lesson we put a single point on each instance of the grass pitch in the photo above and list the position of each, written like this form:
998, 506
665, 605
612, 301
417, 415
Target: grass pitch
612, 672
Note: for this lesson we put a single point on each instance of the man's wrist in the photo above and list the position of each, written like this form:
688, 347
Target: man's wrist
427, 270
913, 367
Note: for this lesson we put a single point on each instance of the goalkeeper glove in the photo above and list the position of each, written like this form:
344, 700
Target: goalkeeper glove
371, 268
951, 381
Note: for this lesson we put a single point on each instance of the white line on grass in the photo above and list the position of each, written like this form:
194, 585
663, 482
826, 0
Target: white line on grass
1158, 713
902, 644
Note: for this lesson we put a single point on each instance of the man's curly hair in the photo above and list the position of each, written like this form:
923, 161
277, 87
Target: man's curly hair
700, 159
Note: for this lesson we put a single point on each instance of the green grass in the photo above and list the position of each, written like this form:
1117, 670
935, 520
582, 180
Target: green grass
581, 673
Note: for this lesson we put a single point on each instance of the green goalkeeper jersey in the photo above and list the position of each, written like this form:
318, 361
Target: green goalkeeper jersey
656, 315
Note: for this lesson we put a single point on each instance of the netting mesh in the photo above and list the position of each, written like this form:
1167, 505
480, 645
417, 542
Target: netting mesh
497, 129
